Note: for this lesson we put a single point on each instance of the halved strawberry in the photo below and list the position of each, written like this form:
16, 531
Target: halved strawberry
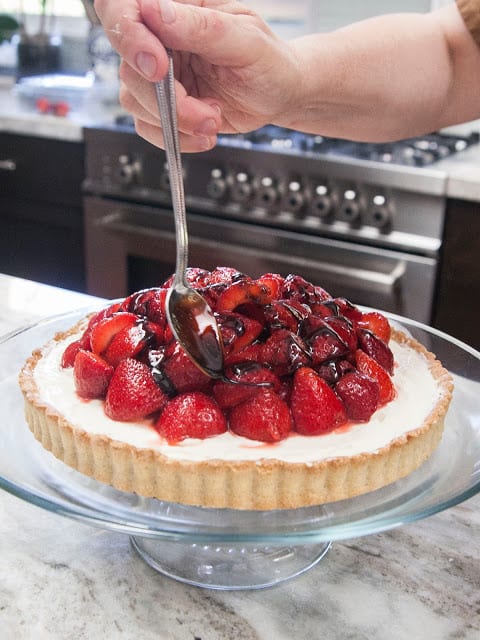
371, 368
264, 417
191, 415
148, 303
376, 348
359, 394
273, 281
377, 323
133, 393
68, 356
252, 353
315, 407
127, 343
91, 375
285, 351
228, 394
103, 331
297, 288
238, 331
241, 293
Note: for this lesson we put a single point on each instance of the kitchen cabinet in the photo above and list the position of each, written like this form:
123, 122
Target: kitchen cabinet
41, 214
457, 307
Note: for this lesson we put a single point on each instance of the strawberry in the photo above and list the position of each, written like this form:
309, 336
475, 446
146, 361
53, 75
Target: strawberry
148, 303
91, 375
286, 314
324, 342
359, 394
371, 368
316, 409
183, 373
238, 331
297, 288
133, 393
243, 292
347, 309
273, 281
68, 356
127, 343
375, 348
103, 331
285, 351
252, 353
264, 417
377, 323
191, 415
228, 394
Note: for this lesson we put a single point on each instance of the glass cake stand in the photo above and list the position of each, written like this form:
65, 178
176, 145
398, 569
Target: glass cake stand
231, 549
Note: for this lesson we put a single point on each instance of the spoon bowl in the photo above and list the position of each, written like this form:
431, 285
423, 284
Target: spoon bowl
192, 321
195, 328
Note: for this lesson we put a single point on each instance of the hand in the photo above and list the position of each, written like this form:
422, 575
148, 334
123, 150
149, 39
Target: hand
233, 74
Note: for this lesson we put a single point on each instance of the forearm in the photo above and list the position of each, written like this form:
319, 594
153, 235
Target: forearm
388, 77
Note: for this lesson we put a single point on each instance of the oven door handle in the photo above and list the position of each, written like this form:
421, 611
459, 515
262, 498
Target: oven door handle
344, 275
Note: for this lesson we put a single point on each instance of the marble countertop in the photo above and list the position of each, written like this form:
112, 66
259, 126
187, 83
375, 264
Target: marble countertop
63, 579
18, 116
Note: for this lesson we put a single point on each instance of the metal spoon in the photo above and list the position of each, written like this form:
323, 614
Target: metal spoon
189, 315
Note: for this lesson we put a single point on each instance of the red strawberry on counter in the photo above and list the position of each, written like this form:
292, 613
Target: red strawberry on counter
191, 415
133, 393
91, 375
264, 417
316, 409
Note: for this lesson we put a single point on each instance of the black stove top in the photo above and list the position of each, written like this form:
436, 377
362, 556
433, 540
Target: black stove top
420, 151
417, 152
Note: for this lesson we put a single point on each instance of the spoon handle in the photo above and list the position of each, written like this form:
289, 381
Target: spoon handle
165, 92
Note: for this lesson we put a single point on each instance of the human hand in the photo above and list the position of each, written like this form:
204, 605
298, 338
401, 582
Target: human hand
232, 73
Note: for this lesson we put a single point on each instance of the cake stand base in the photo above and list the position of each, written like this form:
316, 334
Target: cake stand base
228, 567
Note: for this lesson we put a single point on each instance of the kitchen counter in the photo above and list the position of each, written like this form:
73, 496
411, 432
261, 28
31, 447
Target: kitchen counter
17, 116
63, 579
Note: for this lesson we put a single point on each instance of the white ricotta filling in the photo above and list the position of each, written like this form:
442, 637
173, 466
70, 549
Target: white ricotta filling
417, 393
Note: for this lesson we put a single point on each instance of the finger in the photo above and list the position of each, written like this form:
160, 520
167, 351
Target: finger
195, 117
219, 36
132, 38
188, 144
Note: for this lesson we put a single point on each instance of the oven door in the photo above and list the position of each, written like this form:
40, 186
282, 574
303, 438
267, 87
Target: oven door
132, 246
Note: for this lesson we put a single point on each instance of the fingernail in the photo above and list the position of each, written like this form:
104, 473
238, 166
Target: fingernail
146, 64
207, 128
167, 10
206, 143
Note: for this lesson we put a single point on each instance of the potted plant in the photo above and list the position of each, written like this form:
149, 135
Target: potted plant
38, 52
8, 27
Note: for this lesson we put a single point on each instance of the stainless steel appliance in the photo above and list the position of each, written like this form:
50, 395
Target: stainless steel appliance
363, 220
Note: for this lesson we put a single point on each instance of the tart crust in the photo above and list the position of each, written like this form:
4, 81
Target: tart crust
256, 485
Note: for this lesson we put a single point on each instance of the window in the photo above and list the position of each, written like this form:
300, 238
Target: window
72, 8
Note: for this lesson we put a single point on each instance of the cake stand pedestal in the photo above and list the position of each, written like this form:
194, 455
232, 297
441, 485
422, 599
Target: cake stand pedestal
247, 566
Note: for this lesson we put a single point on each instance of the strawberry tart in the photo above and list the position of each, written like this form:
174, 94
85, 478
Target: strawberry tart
320, 401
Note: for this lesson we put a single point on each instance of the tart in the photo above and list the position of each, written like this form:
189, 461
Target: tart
320, 402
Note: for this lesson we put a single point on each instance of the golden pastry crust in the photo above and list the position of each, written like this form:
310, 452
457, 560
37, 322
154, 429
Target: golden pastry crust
256, 485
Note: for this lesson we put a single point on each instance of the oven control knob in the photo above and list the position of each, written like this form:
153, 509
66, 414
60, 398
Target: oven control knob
322, 202
380, 212
294, 197
241, 188
217, 186
266, 194
350, 208
128, 169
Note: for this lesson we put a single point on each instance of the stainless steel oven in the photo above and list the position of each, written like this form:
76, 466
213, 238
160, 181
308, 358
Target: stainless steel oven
364, 229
